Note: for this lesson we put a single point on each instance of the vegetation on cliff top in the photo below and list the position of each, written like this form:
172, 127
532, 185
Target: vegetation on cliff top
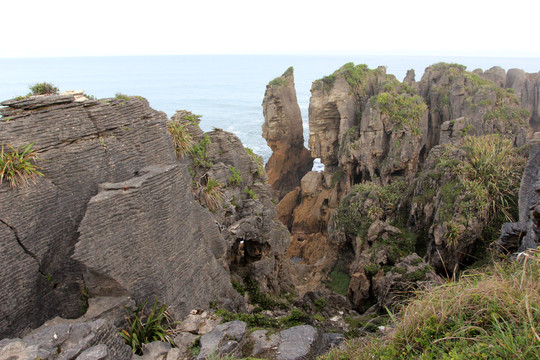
281, 80
492, 314
403, 109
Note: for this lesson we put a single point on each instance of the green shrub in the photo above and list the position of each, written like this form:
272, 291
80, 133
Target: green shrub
235, 178
403, 109
295, 318
199, 153
320, 304
43, 88
18, 165
121, 96
143, 327
249, 192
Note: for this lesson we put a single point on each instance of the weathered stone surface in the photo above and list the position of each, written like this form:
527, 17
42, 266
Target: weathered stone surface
96, 352
525, 234
247, 216
138, 209
283, 132
263, 343
199, 322
80, 145
226, 338
300, 342
60, 339
155, 350
331, 113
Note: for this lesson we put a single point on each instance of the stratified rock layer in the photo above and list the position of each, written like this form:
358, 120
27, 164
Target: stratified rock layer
80, 145
149, 247
283, 132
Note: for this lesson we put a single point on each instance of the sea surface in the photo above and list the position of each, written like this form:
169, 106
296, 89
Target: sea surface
227, 90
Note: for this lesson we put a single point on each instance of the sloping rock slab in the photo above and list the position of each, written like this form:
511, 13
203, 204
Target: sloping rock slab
300, 342
147, 237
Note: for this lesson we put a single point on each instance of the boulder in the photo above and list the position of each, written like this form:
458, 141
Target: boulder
226, 338
61, 339
300, 342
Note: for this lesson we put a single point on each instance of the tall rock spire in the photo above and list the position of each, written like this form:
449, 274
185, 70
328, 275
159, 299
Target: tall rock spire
283, 132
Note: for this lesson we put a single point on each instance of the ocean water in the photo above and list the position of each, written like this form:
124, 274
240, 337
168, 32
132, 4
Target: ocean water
227, 90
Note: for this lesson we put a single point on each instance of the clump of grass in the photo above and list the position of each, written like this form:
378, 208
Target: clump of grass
18, 166
43, 88
212, 194
182, 139
491, 173
145, 327
485, 315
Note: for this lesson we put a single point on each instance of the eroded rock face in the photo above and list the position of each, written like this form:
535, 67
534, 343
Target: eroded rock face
80, 145
117, 213
525, 233
123, 253
256, 241
374, 133
283, 132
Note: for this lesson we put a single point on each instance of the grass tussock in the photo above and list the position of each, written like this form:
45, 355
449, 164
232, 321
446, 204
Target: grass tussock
182, 139
493, 314
18, 165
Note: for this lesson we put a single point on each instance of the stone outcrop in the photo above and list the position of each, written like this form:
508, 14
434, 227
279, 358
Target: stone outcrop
283, 132
384, 140
80, 145
525, 233
60, 339
256, 241
116, 213
137, 210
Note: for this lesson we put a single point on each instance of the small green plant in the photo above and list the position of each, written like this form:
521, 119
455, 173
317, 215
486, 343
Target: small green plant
18, 166
199, 153
250, 193
182, 139
235, 178
212, 194
320, 304
143, 327
43, 88
121, 96
239, 287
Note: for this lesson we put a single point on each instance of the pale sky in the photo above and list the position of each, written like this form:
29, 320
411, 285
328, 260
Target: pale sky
37, 28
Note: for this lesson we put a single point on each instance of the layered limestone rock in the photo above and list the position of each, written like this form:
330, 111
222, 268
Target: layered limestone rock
525, 233
231, 182
179, 266
283, 132
414, 138
80, 145
118, 212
